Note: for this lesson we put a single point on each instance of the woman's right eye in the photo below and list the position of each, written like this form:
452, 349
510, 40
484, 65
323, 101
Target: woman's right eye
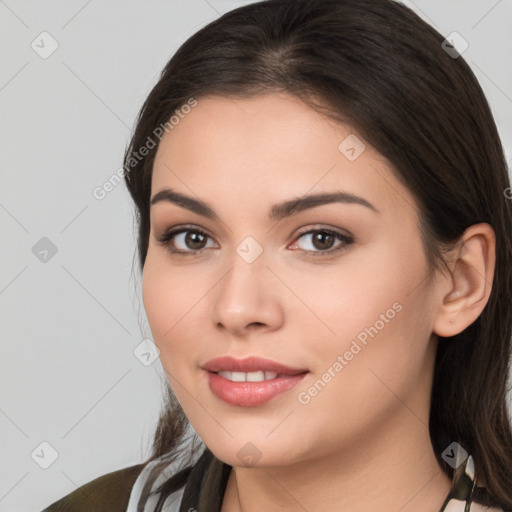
186, 241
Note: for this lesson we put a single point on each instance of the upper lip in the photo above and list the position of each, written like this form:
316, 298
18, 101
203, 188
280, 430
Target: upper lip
249, 364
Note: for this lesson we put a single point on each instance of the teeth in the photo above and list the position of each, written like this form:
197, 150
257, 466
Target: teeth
248, 376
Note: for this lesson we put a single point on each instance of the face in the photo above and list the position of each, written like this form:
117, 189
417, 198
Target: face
337, 290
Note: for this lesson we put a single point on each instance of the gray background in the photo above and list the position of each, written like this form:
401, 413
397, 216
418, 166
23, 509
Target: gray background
69, 325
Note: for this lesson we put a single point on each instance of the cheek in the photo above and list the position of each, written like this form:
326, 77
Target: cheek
341, 301
157, 297
370, 311
169, 304
356, 383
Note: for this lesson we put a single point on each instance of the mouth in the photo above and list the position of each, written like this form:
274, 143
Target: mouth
252, 381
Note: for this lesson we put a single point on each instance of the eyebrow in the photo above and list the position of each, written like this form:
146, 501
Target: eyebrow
276, 212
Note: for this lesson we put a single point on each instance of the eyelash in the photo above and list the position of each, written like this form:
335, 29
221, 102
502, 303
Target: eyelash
166, 238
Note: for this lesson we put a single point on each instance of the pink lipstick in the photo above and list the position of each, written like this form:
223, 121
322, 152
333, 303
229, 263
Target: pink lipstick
252, 381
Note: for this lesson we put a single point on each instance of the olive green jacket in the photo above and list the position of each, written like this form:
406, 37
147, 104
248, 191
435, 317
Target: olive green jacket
108, 493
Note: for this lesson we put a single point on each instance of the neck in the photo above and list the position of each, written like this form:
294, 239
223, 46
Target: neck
395, 469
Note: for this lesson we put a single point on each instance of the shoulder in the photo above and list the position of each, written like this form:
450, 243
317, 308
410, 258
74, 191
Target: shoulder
107, 493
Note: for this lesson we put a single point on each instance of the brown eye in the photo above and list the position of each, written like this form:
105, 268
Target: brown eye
322, 241
184, 240
194, 240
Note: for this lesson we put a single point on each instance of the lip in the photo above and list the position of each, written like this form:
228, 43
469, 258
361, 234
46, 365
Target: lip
249, 364
250, 394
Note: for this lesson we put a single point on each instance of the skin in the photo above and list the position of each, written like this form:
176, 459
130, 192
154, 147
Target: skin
362, 443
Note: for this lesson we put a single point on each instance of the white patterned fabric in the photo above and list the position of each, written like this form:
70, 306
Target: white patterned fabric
459, 498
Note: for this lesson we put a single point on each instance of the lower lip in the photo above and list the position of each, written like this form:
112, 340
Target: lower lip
251, 394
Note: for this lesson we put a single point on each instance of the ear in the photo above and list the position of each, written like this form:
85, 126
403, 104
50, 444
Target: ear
465, 292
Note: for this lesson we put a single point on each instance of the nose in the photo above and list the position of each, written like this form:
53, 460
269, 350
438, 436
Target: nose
247, 299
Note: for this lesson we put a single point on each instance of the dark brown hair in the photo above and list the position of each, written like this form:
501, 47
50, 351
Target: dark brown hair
377, 66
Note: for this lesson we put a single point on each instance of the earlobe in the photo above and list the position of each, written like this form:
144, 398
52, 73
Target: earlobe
469, 283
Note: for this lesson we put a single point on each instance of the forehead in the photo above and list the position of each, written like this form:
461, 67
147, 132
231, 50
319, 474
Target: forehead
272, 146
272, 125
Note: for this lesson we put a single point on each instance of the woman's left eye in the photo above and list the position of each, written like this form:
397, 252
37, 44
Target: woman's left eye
192, 241
323, 239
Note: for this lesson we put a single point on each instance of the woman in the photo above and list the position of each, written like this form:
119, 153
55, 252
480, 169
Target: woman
324, 240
